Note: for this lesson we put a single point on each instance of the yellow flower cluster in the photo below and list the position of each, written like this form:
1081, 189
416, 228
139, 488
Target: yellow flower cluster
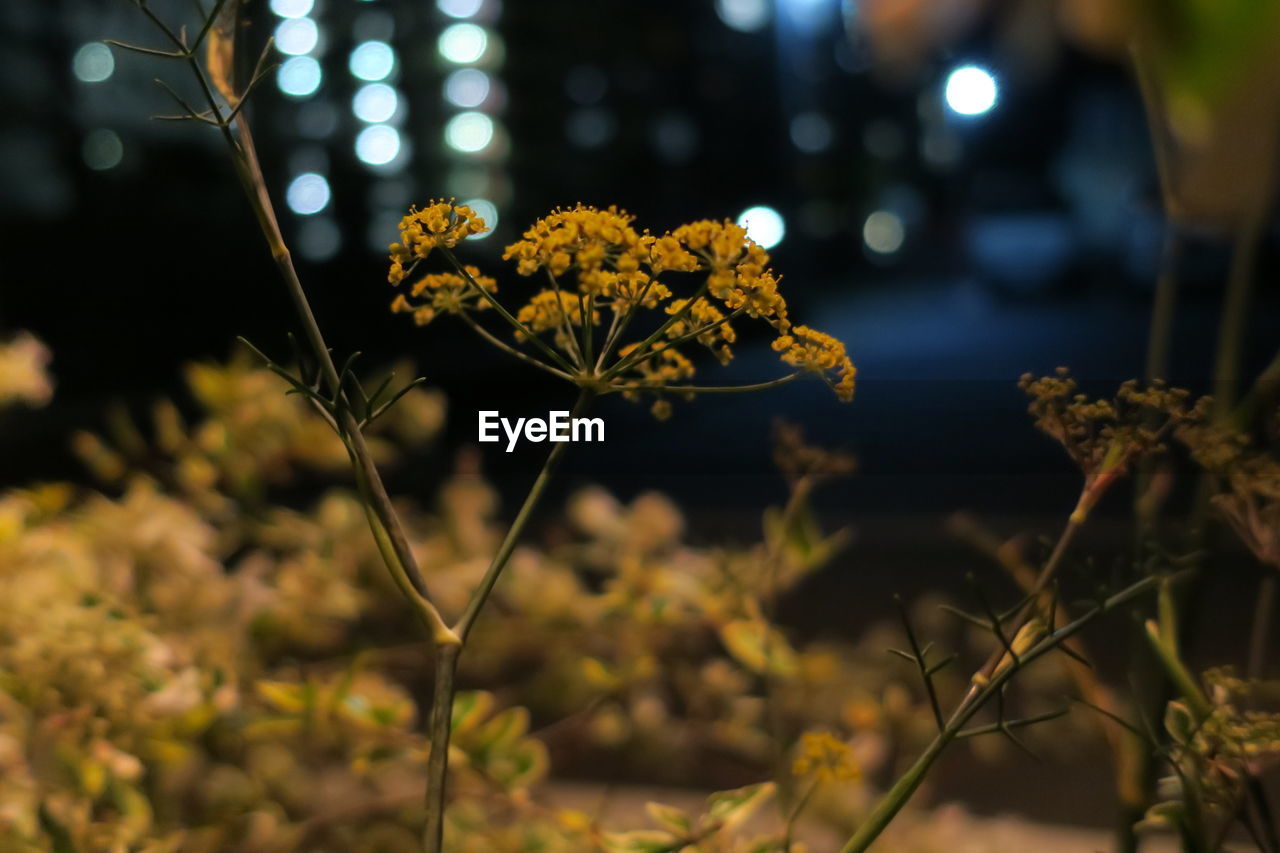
550, 310
596, 261
599, 244
718, 335
738, 269
446, 292
667, 366
820, 353
24, 377
440, 223
826, 758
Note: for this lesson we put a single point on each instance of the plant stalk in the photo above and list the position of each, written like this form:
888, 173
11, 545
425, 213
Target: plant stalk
446, 658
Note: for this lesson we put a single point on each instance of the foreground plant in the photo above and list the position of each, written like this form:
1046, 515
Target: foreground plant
616, 271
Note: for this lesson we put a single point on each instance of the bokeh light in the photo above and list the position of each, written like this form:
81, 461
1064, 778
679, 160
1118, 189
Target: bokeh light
811, 132
372, 61
747, 16
292, 8
375, 103
487, 211
102, 150
586, 84
463, 44
764, 225
469, 132
307, 194
590, 128
460, 8
883, 232
93, 63
378, 145
971, 91
297, 36
319, 239
299, 76
467, 87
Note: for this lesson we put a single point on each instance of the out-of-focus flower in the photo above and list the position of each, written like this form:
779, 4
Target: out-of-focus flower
24, 375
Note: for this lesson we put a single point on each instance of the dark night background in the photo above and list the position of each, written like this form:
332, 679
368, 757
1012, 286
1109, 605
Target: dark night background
1030, 237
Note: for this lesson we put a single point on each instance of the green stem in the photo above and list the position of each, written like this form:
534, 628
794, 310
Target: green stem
565, 326
1235, 316
707, 389
1164, 308
893, 801
506, 315
897, 796
481, 593
630, 360
617, 330
438, 761
510, 350
1260, 633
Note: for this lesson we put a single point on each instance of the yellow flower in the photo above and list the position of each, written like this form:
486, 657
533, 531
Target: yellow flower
738, 269
826, 758
819, 352
548, 311
702, 315
600, 244
24, 376
447, 293
440, 223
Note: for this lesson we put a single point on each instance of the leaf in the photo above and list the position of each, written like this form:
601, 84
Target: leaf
503, 730
759, 647
1178, 722
670, 818
284, 696
520, 766
220, 52
728, 809
1162, 816
640, 841
469, 709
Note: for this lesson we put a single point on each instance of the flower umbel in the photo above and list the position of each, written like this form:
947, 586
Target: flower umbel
825, 758
601, 279
1104, 437
439, 224
819, 353
1250, 477
443, 292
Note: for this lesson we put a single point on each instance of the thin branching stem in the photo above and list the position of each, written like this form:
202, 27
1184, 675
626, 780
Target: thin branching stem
706, 389
898, 795
524, 330
389, 531
510, 350
481, 593
628, 361
566, 327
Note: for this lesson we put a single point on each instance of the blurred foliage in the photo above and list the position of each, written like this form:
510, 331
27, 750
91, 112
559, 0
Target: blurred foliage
186, 665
